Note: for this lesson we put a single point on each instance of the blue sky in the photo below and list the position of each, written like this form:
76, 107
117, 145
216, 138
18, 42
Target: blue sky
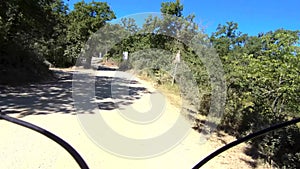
253, 16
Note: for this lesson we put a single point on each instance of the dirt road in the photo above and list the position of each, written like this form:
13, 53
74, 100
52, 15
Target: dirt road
51, 106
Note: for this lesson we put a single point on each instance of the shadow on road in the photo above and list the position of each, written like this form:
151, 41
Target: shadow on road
56, 96
105, 68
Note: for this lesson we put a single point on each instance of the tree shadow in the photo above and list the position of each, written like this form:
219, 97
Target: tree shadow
115, 92
252, 164
105, 68
56, 96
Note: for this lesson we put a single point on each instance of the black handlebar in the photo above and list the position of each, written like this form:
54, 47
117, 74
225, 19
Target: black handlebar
48, 134
243, 139
83, 165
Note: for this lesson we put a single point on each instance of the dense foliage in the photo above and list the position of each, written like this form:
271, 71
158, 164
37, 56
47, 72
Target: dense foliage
261, 72
38, 33
262, 75
20, 29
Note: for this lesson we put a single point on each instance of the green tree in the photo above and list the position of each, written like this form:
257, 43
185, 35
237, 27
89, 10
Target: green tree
84, 20
23, 24
228, 41
263, 90
172, 8
171, 32
54, 47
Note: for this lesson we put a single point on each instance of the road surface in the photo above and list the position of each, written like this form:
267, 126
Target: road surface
51, 106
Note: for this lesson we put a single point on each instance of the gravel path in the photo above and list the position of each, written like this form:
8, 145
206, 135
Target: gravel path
50, 106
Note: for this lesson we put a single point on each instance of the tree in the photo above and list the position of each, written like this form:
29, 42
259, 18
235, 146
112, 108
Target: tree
262, 77
172, 8
171, 32
228, 41
54, 47
84, 20
45, 29
23, 24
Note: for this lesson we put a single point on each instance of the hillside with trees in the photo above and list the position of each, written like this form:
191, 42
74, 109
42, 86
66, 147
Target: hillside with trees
38, 33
